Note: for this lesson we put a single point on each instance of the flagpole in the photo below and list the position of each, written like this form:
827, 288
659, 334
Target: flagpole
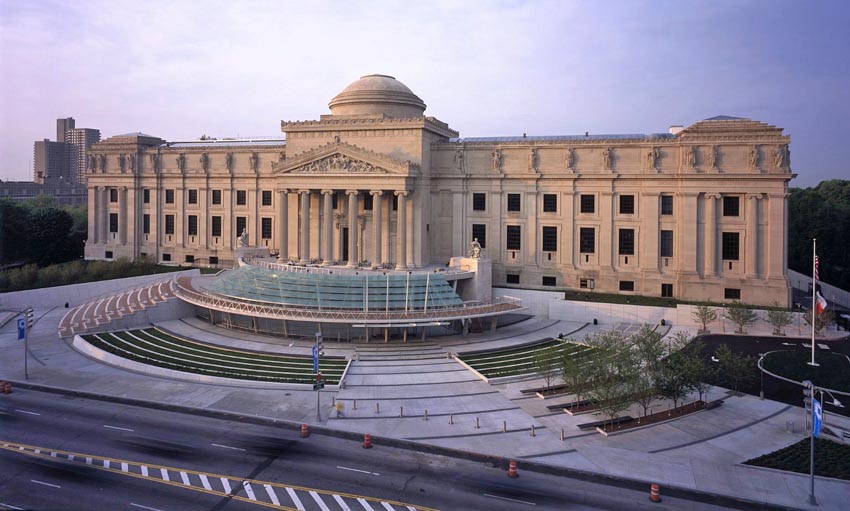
814, 296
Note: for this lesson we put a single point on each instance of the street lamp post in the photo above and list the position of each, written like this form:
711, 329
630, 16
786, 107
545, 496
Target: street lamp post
318, 351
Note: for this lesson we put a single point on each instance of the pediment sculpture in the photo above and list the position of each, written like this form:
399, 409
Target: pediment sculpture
338, 164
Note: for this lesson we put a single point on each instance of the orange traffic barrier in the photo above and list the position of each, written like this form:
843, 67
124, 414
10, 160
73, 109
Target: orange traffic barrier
367, 441
512, 469
304, 431
654, 493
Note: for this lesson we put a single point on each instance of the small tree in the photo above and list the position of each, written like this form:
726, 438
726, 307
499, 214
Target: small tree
546, 363
672, 381
649, 348
734, 370
740, 315
614, 371
704, 314
573, 373
779, 319
697, 371
821, 321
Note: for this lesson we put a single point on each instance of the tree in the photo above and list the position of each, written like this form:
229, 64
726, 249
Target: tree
697, 371
672, 380
779, 319
547, 362
614, 370
821, 321
740, 315
650, 350
573, 373
734, 371
704, 314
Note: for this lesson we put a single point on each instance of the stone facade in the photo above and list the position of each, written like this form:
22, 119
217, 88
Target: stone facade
697, 214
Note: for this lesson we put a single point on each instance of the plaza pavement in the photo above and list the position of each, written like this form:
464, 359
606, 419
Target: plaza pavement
700, 452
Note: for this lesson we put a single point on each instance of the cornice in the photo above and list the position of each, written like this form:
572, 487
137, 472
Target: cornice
345, 124
348, 150
618, 142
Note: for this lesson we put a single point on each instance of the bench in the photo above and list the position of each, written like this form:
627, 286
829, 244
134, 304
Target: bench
610, 422
713, 404
571, 404
544, 389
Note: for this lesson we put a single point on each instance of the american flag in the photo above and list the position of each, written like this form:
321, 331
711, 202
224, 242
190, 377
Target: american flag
817, 277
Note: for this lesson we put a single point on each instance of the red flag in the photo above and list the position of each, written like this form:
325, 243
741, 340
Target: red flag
820, 304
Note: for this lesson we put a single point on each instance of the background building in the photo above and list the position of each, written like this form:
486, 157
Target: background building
65, 159
64, 194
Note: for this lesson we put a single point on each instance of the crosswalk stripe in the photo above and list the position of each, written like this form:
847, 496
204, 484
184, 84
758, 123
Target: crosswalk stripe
319, 501
165, 474
226, 484
185, 477
341, 503
387, 506
272, 494
365, 505
205, 482
124, 467
38, 451
88, 460
411, 508
70, 457
248, 490
295, 499
106, 463
52, 454
144, 470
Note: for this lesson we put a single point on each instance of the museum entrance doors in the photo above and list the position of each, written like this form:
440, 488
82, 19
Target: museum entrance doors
345, 244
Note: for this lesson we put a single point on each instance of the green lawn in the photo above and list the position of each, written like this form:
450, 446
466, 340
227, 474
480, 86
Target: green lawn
520, 360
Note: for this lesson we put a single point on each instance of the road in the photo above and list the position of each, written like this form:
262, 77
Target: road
197, 454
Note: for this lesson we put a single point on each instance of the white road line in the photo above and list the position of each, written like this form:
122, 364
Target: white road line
124, 467
226, 484
52, 454
205, 481
185, 477
387, 506
105, 463
341, 503
509, 500
411, 508
71, 457
116, 427
37, 451
358, 470
272, 494
228, 447
10, 506
88, 460
248, 490
823, 346
295, 499
144, 507
319, 501
27, 412
145, 470
365, 505
165, 474
45, 484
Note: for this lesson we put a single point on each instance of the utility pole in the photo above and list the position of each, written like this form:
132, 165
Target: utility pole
28, 322
318, 351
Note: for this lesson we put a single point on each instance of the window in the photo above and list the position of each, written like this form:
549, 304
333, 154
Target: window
514, 237
368, 202
266, 224
550, 239
731, 206
241, 223
479, 232
666, 204
113, 222
479, 202
146, 195
731, 293
216, 197
193, 196
267, 198
627, 242
666, 243
213, 260
627, 204
108, 254
512, 278
667, 290
169, 196
588, 203
587, 283
730, 246
513, 202
587, 240
113, 195
627, 285
550, 281
166, 258
395, 202
192, 228
550, 203
216, 226
241, 197
190, 258
146, 224
169, 224
333, 201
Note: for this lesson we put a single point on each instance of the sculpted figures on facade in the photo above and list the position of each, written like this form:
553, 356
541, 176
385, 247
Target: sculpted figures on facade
653, 155
103, 163
711, 157
255, 161
181, 162
780, 156
532, 160
92, 163
204, 161
570, 159
689, 157
497, 160
131, 162
121, 162
228, 161
753, 159
607, 159
459, 160
337, 163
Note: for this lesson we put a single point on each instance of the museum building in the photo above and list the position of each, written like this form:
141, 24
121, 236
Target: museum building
698, 213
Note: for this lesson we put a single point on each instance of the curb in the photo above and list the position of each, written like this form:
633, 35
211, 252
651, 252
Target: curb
496, 461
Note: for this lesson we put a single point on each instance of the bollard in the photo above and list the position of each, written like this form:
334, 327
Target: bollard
451, 418
377, 407
333, 400
512, 469
562, 434
304, 431
477, 425
504, 426
532, 430
355, 404
367, 441
654, 493
426, 415
401, 411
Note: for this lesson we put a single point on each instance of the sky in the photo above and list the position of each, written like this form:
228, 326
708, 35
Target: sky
181, 69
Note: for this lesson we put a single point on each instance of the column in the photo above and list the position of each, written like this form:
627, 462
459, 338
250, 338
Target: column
606, 228
710, 269
327, 229
568, 246
688, 228
283, 225
650, 233
533, 246
103, 223
409, 241
122, 216
376, 227
304, 235
777, 228
751, 257
93, 206
352, 227
401, 234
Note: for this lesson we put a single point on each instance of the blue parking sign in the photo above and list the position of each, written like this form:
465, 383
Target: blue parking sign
818, 417
22, 328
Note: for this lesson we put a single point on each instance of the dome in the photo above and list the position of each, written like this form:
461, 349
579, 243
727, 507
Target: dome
377, 94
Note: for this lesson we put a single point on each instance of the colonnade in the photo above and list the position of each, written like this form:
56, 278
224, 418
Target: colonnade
99, 201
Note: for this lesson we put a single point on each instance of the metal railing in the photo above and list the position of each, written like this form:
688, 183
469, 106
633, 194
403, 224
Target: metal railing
338, 270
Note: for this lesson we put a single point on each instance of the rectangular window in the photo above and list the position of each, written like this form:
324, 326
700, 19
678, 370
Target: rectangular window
512, 278
216, 226
667, 290
267, 197
588, 203
169, 196
550, 203
587, 284
190, 258
266, 228
479, 202
113, 222
731, 293
479, 232
587, 240
730, 246
113, 195
193, 196
550, 281
216, 197
514, 237
213, 260
627, 242
146, 224
169, 224
731, 207
108, 254
368, 202
192, 228
666, 204
550, 239
334, 201
241, 197
627, 285
241, 224
166, 258
627, 204
513, 202
146, 195
666, 243
395, 202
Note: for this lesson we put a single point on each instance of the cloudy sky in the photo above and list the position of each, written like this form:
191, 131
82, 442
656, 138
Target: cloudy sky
179, 69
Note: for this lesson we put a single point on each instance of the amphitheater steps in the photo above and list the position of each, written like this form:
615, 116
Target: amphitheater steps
395, 351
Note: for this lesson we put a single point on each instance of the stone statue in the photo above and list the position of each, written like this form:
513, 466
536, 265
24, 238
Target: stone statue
475, 249
121, 162
497, 159
712, 157
92, 162
532, 160
204, 161
243, 238
228, 161
459, 159
131, 160
255, 160
103, 163
690, 157
652, 157
779, 156
282, 157
570, 159
606, 159
754, 157
181, 162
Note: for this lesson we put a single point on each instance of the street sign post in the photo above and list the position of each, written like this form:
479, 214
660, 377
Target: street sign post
817, 418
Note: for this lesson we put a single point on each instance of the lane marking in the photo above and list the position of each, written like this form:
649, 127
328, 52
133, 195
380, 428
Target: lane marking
45, 484
248, 490
365, 504
52, 454
387, 506
226, 484
272, 494
10, 506
358, 470
185, 477
205, 481
410, 508
70, 457
165, 474
509, 500
124, 467
228, 447
145, 470
88, 460
106, 463
119, 429
295, 499
144, 507
341, 503
27, 412
319, 501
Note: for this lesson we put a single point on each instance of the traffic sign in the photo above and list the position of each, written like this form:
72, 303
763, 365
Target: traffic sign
315, 358
22, 328
318, 385
818, 418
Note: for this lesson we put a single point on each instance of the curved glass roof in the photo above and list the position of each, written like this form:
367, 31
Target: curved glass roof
391, 291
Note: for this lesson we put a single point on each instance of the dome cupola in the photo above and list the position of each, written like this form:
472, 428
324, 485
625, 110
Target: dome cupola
377, 94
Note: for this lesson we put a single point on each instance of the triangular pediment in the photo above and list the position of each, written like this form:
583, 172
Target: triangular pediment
340, 158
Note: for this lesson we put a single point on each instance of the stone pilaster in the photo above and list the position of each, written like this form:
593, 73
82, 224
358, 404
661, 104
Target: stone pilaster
751, 255
353, 228
304, 235
376, 227
401, 235
283, 225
